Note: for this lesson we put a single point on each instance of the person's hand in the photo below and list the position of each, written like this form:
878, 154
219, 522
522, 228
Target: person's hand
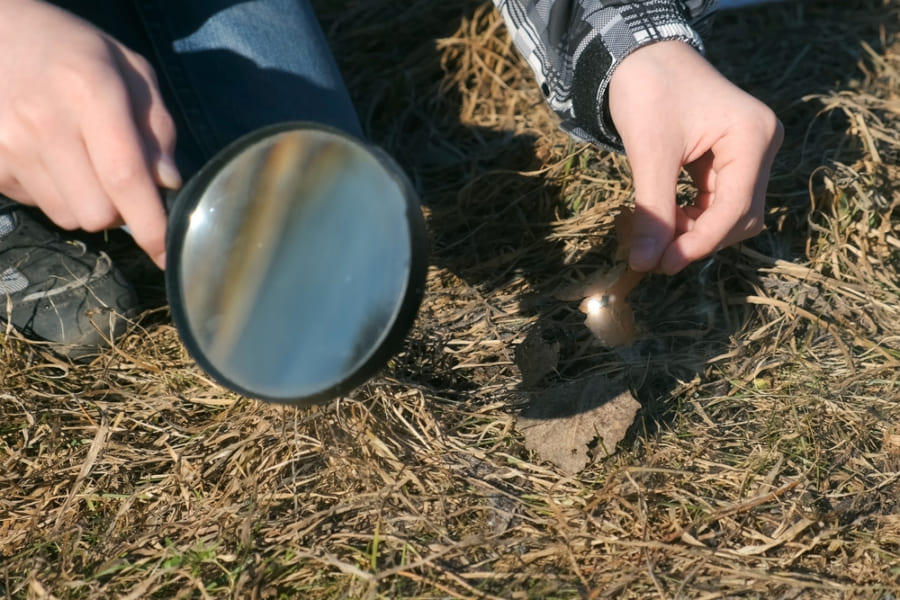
672, 110
84, 134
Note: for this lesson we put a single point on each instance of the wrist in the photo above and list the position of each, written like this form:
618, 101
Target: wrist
662, 78
597, 66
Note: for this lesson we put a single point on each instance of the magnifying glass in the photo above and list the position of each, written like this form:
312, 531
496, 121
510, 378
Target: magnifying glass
296, 263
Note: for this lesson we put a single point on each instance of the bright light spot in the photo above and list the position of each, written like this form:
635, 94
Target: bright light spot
198, 219
594, 305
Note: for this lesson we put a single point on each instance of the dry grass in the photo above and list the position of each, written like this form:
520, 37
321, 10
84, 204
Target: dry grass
766, 463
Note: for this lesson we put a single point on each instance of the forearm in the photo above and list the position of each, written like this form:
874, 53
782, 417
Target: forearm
575, 46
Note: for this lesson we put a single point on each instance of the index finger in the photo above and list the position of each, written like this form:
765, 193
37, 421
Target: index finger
118, 155
655, 174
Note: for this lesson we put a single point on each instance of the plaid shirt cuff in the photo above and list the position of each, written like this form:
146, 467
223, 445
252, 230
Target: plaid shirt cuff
574, 47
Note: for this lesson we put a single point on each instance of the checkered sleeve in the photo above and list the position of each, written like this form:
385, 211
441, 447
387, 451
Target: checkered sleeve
574, 46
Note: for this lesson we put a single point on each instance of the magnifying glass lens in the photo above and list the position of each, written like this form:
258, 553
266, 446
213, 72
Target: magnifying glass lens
298, 264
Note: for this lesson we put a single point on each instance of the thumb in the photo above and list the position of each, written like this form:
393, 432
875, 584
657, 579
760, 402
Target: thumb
655, 179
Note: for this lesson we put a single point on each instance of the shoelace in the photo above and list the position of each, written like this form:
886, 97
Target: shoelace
12, 280
6, 225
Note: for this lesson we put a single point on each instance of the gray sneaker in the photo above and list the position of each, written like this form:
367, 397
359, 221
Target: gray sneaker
57, 290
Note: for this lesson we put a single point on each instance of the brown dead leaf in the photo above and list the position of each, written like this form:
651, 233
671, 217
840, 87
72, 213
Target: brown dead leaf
610, 320
563, 422
603, 294
609, 316
536, 356
598, 283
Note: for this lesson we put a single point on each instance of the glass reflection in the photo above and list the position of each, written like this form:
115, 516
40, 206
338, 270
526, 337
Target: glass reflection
295, 263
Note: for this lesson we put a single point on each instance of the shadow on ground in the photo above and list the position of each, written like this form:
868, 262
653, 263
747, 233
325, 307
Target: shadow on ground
517, 211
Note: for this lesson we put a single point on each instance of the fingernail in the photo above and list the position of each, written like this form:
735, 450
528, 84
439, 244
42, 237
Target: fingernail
643, 254
167, 172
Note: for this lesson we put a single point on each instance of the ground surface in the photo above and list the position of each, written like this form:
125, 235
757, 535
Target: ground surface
765, 462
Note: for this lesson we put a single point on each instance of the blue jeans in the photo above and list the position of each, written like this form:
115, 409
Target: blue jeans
227, 67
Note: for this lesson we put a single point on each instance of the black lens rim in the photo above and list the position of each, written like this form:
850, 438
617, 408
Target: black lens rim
182, 205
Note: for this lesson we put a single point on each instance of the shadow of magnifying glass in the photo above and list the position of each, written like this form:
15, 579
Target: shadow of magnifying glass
296, 263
